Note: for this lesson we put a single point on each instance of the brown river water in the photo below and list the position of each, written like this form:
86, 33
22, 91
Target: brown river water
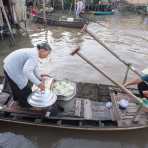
127, 35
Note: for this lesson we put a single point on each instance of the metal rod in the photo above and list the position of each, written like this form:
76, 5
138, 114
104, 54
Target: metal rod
137, 113
106, 76
126, 74
108, 49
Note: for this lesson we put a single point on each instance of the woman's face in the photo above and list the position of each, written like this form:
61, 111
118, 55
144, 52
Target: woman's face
43, 53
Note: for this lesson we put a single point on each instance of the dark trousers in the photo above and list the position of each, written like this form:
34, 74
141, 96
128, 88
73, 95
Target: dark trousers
142, 87
19, 95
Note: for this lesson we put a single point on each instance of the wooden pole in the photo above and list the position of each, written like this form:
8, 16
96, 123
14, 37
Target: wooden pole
108, 49
105, 75
44, 10
45, 20
5, 15
1, 24
1, 18
62, 1
70, 8
75, 2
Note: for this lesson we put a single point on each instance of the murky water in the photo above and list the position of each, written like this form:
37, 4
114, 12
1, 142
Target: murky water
127, 35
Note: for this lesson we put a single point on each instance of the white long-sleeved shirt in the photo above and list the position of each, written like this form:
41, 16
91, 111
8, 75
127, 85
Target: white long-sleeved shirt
20, 66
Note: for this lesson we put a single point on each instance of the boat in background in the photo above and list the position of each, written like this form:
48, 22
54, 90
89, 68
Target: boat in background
104, 12
62, 21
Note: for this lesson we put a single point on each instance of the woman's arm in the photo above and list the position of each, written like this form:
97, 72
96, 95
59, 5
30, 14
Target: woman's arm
28, 70
133, 82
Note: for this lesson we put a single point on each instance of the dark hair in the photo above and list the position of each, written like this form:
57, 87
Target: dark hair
45, 46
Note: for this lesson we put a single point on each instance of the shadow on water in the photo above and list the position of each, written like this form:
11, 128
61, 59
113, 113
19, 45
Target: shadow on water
125, 34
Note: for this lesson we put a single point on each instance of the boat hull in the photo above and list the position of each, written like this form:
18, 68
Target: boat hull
62, 23
104, 13
88, 112
74, 128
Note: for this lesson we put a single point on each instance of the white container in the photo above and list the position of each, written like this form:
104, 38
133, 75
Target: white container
123, 104
109, 105
70, 19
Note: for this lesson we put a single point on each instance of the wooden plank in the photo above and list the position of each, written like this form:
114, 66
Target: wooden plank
87, 109
115, 107
78, 107
96, 111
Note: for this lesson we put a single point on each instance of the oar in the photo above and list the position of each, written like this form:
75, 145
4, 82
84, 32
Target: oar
85, 28
76, 51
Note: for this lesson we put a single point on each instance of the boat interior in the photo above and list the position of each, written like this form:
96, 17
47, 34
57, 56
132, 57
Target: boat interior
87, 110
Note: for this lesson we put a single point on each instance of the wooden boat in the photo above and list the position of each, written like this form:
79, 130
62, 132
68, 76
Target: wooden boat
104, 13
88, 111
64, 22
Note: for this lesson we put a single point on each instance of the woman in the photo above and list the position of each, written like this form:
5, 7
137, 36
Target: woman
19, 69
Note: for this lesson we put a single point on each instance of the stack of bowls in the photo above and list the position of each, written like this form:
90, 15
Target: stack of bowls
42, 99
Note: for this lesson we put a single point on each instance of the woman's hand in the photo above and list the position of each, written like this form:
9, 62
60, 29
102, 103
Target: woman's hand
42, 86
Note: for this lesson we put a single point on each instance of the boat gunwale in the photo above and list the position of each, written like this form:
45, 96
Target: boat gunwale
77, 128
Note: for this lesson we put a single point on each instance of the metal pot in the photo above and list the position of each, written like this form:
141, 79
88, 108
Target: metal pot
42, 99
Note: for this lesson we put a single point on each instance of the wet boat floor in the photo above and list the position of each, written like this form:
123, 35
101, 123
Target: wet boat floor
89, 106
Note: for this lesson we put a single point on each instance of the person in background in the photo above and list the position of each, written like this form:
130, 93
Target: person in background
34, 14
142, 84
20, 69
80, 6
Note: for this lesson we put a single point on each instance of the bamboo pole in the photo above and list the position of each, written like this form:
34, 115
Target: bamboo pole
5, 15
108, 49
106, 76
